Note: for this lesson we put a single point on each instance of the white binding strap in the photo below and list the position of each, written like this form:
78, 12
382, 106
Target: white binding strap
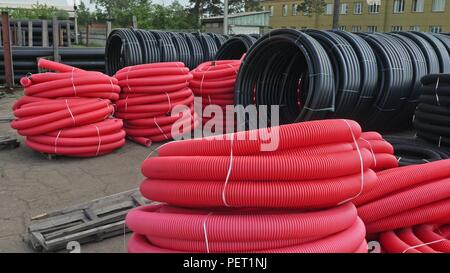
99, 140
361, 163
56, 141
70, 112
230, 167
424, 244
205, 233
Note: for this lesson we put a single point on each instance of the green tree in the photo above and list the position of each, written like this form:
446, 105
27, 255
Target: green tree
312, 7
121, 12
37, 11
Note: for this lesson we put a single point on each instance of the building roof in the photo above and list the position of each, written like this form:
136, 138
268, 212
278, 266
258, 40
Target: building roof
60, 4
242, 14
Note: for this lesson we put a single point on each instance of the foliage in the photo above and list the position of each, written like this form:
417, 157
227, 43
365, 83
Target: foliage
311, 7
38, 11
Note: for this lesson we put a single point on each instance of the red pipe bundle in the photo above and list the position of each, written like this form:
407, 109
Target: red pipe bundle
407, 196
68, 113
314, 167
382, 151
425, 238
214, 83
149, 94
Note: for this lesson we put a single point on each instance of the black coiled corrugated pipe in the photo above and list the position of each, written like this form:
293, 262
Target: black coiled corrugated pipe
122, 49
235, 47
288, 68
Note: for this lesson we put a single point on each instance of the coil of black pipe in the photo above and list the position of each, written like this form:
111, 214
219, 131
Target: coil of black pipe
126, 47
395, 66
288, 68
195, 49
441, 51
347, 74
420, 69
412, 151
445, 39
235, 47
149, 46
122, 49
431, 118
209, 46
368, 70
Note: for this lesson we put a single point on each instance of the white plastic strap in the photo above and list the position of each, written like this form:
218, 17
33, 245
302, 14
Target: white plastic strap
126, 106
169, 101
99, 140
319, 110
70, 112
371, 150
398, 159
230, 167
424, 244
440, 142
56, 141
435, 91
361, 163
205, 232
157, 125
73, 84
128, 71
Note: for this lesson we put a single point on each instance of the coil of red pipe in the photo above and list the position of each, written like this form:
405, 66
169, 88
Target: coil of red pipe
407, 196
214, 82
312, 176
382, 151
425, 238
150, 92
55, 119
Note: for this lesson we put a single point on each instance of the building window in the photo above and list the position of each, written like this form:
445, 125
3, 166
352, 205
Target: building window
358, 8
342, 28
372, 28
294, 9
285, 10
271, 9
414, 28
438, 5
356, 28
374, 8
397, 28
329, 9
344, 8
399, 6
417, 6
436, 29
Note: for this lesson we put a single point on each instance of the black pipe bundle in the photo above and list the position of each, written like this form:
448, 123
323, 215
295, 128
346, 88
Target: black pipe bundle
127, 47
374, 76
432, 116
235, 47
413, 151
289, 68
25, 59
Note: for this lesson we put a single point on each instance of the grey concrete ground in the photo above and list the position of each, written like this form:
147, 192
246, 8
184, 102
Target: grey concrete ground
30, 184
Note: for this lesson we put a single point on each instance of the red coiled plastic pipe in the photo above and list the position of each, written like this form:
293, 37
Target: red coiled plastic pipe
407, 196
161, 228
382, 151
71, 82
214, 82
149, 94
426, 238
313, 168
67, 114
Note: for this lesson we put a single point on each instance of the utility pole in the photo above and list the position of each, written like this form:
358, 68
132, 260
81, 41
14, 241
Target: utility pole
225, 17
336, 12
7, 53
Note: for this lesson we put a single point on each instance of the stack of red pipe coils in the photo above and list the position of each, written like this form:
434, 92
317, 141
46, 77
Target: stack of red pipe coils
382, 151
68, 113
295, 198
154, 97
425, 238
406, 197
213, 81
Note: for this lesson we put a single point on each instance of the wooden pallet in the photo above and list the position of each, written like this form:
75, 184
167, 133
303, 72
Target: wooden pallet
7, 142
88, 222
